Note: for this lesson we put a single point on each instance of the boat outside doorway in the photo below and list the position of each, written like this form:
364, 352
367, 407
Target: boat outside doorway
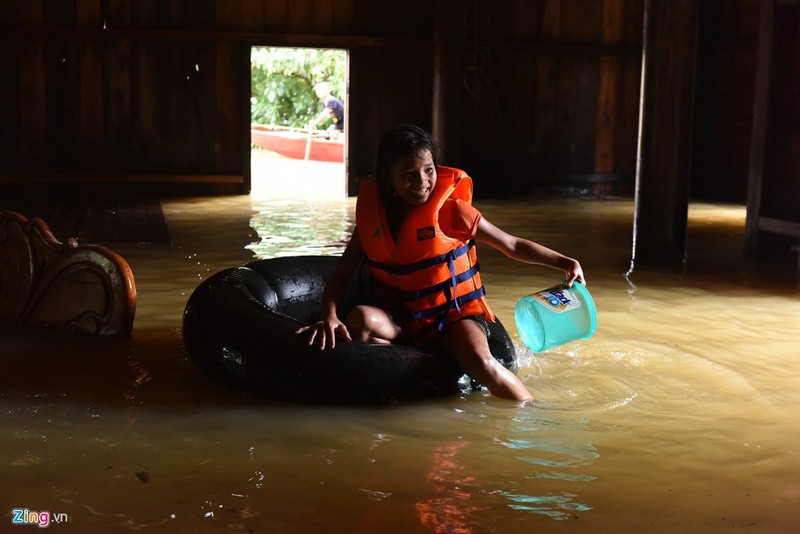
298, 116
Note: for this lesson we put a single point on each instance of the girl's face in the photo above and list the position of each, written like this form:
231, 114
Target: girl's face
413, 178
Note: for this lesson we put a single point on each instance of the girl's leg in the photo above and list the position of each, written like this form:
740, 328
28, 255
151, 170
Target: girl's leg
373, 325
467, 342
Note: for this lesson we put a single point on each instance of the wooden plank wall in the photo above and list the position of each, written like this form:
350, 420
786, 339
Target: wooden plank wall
550, 92
154, 89
546, 91
93, 99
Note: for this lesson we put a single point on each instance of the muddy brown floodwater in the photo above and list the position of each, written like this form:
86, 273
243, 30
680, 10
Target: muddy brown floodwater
679, 415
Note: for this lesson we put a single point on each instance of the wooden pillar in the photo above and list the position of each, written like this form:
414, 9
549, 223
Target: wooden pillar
244, 118
665, 126
758, 140
449, 35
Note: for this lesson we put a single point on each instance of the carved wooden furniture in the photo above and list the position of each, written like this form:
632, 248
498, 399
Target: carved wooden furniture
87, 288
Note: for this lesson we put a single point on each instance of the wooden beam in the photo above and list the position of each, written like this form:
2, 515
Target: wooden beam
777, 226
301, 40
119, 178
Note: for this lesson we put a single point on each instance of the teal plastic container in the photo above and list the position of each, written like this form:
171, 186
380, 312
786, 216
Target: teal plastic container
555, 316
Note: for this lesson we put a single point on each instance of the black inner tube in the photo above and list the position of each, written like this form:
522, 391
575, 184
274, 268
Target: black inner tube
239, 327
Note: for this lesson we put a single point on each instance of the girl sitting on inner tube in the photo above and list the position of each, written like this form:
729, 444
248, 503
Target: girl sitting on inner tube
417, 228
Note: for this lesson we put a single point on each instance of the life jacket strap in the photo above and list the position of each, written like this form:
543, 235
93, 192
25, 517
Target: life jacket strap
419, 265
444, 309
442, 286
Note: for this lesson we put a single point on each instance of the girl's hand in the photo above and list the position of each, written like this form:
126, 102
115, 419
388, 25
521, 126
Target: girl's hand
573, 272
324, 333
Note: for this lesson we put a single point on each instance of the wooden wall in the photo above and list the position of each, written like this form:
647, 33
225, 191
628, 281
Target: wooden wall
159, 89
550, 91
107, 87
540, 92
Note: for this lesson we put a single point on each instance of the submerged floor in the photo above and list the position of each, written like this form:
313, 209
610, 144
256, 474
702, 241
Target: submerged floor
679, 415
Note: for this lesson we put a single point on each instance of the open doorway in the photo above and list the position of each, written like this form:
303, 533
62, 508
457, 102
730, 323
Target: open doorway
298, 117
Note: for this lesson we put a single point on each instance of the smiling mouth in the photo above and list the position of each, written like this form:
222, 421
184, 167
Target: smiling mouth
420, 192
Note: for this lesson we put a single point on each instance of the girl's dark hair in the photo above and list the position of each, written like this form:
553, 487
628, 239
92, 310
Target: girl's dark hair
395, 144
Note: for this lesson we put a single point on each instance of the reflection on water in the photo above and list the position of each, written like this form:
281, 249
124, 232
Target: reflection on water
288, 227
678, 415
546, 444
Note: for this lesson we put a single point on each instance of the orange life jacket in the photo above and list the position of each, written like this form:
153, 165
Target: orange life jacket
437, 277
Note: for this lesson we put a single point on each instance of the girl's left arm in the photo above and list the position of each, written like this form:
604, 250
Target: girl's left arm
526, 251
